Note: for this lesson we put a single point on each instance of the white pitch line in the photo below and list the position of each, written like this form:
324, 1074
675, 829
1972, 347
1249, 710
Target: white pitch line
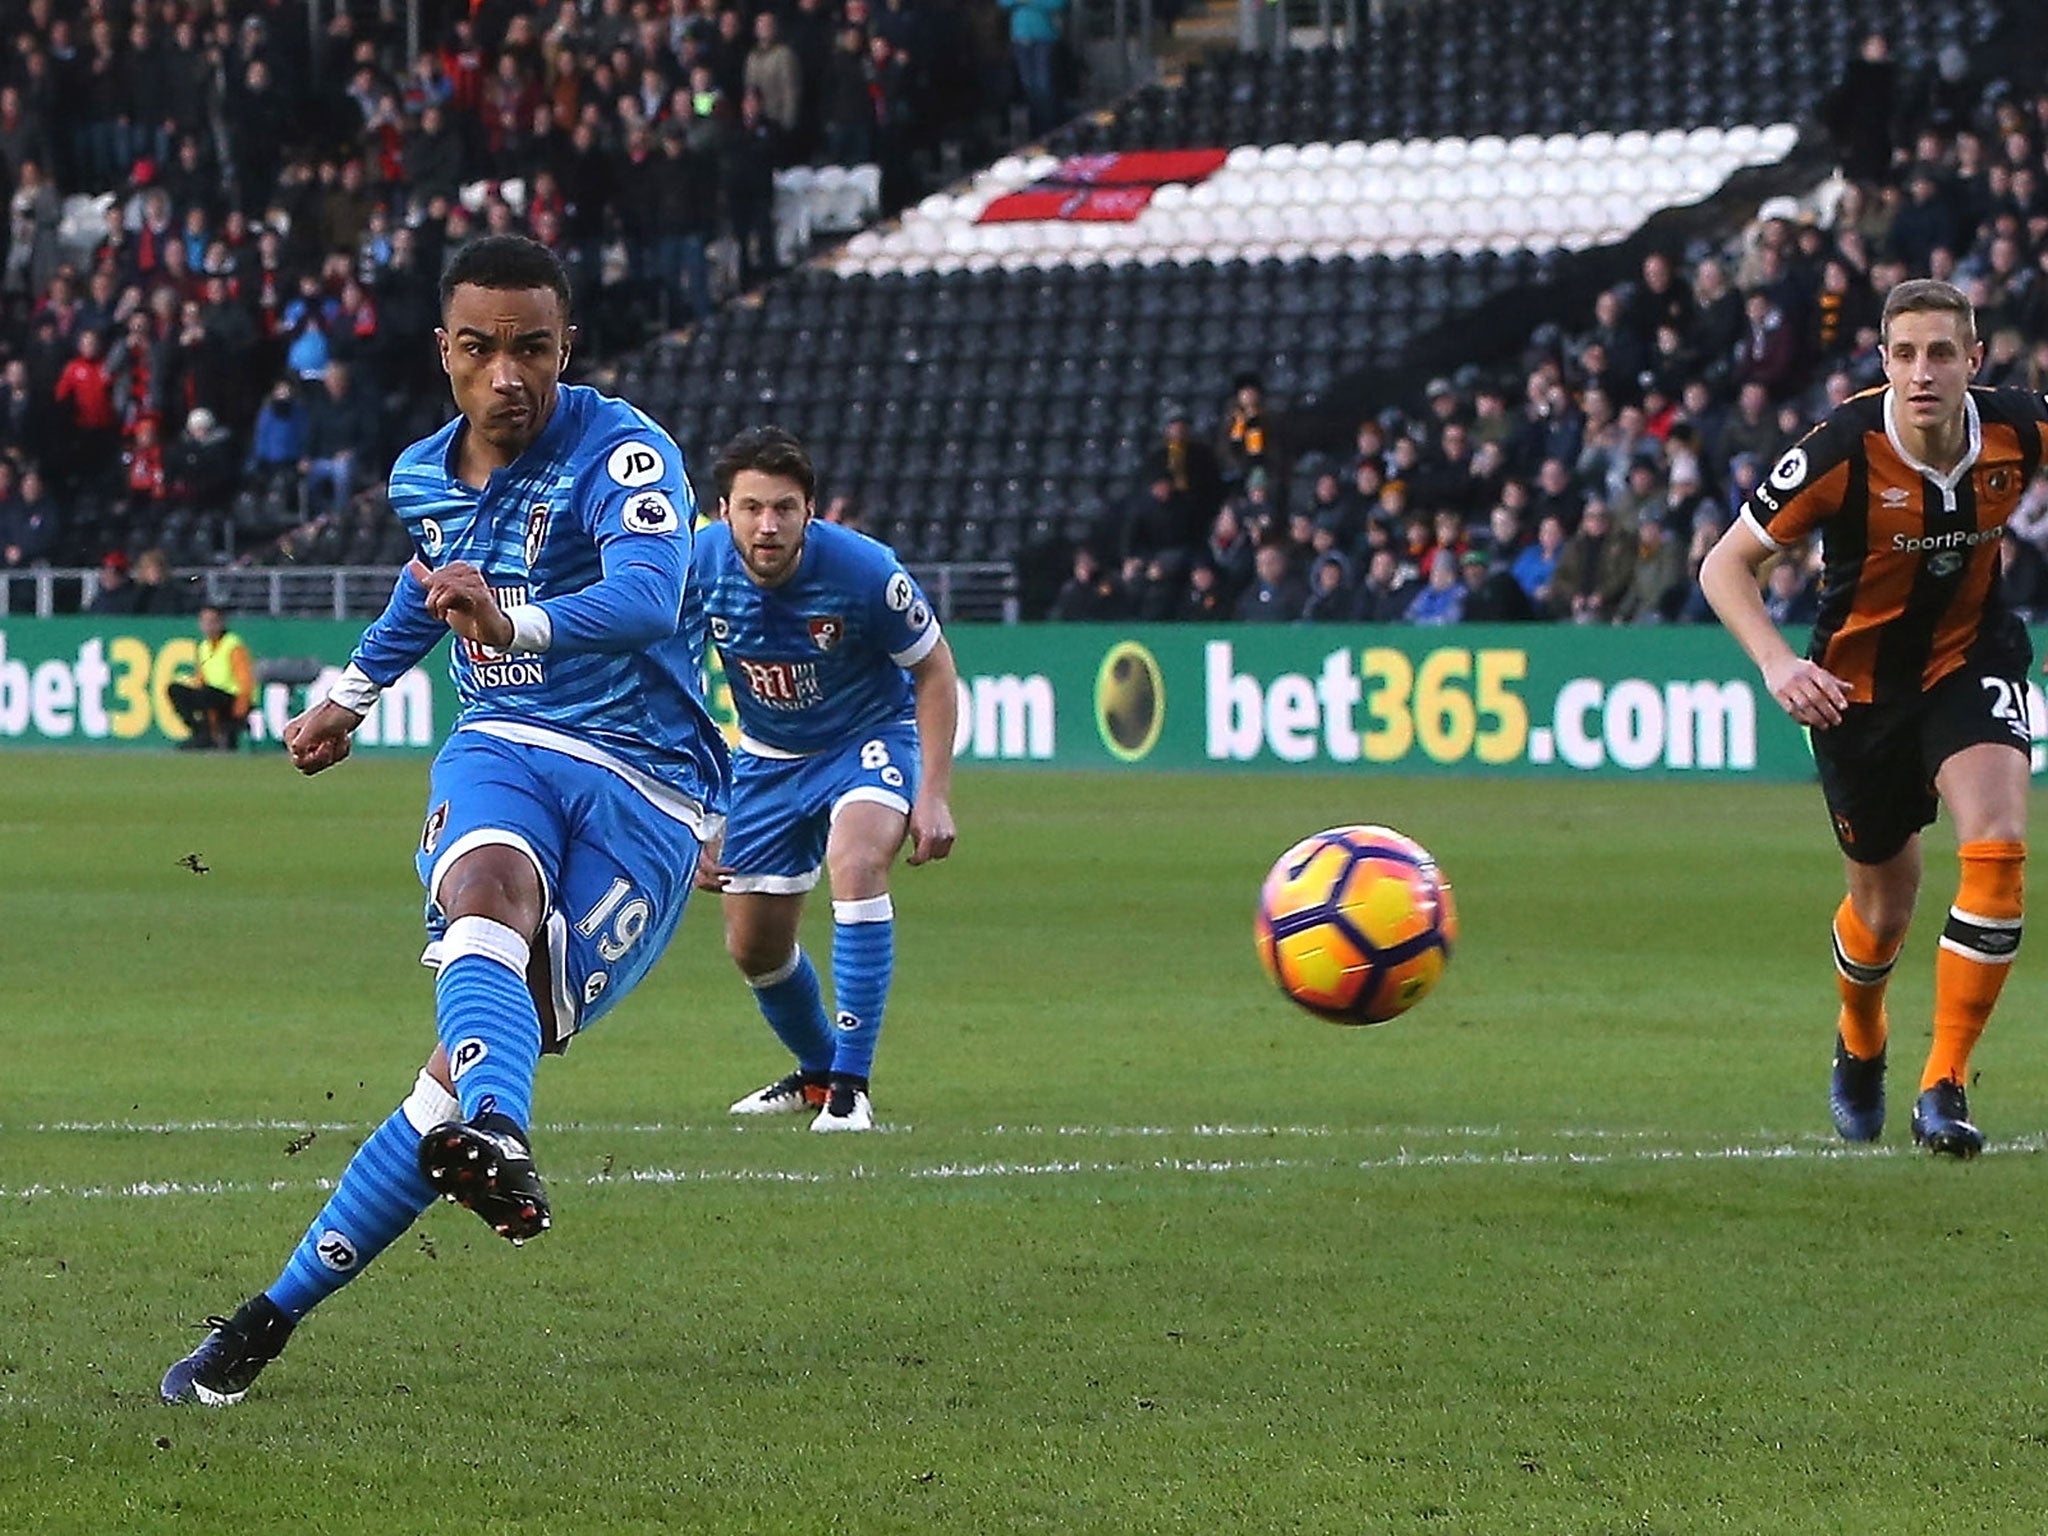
1770, 1151
741, 1126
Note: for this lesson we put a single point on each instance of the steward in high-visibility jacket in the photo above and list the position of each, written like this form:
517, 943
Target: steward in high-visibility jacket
215, 705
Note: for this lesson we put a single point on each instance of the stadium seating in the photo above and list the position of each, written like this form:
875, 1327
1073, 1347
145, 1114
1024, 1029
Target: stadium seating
983, 386
1386, 198
975, 410
1508, 68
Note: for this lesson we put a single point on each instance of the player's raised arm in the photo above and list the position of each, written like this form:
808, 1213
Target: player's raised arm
636, 502
397, 640
937, 684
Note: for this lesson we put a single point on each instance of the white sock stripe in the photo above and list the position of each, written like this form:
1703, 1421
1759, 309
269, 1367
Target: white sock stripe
1978, 921
488, 939
1978, 955
429, 1104
781, 973
875, 909
1856, 971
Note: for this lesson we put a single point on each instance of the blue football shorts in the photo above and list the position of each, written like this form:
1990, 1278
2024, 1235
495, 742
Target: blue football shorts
782, 808
615, 858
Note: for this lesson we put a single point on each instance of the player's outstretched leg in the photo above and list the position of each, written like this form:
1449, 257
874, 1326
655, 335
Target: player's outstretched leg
1975, 957
379, 1195
1863, 968
792, 1002
863, 961
491, 1030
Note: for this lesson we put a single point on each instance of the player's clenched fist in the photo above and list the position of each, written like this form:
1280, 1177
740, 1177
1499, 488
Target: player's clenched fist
458, 595
319, 738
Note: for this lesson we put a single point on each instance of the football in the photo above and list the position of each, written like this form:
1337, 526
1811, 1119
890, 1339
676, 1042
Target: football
1356, 924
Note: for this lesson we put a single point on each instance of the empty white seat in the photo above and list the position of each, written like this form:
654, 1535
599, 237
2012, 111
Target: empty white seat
1630, 176
1350, 154
1778, 140
1487, 149
1280, 157
1314, 157
1742, 141
1633, 144
1383, 152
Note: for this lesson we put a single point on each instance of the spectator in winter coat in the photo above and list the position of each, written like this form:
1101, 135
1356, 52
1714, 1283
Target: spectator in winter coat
1442, 598
278, 442
1035, 28
773, 70
1594, 569
1276, 594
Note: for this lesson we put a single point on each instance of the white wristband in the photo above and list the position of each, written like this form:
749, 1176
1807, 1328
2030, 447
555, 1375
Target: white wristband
354, 690
532, 630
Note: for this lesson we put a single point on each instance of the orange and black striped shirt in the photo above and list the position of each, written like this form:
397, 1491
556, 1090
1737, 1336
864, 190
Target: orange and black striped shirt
1909, 558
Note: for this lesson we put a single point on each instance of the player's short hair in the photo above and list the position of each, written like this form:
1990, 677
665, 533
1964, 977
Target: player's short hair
1930, 295
505, 262
769, 450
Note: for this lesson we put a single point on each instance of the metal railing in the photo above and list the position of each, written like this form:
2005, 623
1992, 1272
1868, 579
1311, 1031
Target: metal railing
984, 591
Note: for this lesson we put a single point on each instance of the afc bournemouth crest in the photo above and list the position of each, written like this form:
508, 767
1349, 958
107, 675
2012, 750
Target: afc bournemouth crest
437, 823
536, 532
827, 630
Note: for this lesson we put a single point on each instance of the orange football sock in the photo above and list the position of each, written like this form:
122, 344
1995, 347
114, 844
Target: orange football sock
1977, 947
1862, 968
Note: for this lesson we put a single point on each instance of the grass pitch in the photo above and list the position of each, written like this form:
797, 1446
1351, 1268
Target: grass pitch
1568, 1249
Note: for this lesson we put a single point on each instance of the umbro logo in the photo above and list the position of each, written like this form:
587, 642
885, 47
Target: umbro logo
1896, 496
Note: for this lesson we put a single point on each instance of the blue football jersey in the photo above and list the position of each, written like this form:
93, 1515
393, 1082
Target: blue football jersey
600, 496
822, 656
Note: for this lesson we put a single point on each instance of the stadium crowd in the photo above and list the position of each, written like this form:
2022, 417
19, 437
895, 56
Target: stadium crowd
245, 325
1587, 485
247, 319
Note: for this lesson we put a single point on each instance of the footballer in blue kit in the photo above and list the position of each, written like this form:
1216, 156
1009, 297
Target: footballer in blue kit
846, 696
552, 533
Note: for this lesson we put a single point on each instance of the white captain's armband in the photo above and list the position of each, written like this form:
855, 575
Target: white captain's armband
532, 630
354, 690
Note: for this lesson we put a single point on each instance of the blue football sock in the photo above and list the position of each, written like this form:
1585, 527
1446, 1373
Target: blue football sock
794, 1006
863, 957
487, 1020
380, 1194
